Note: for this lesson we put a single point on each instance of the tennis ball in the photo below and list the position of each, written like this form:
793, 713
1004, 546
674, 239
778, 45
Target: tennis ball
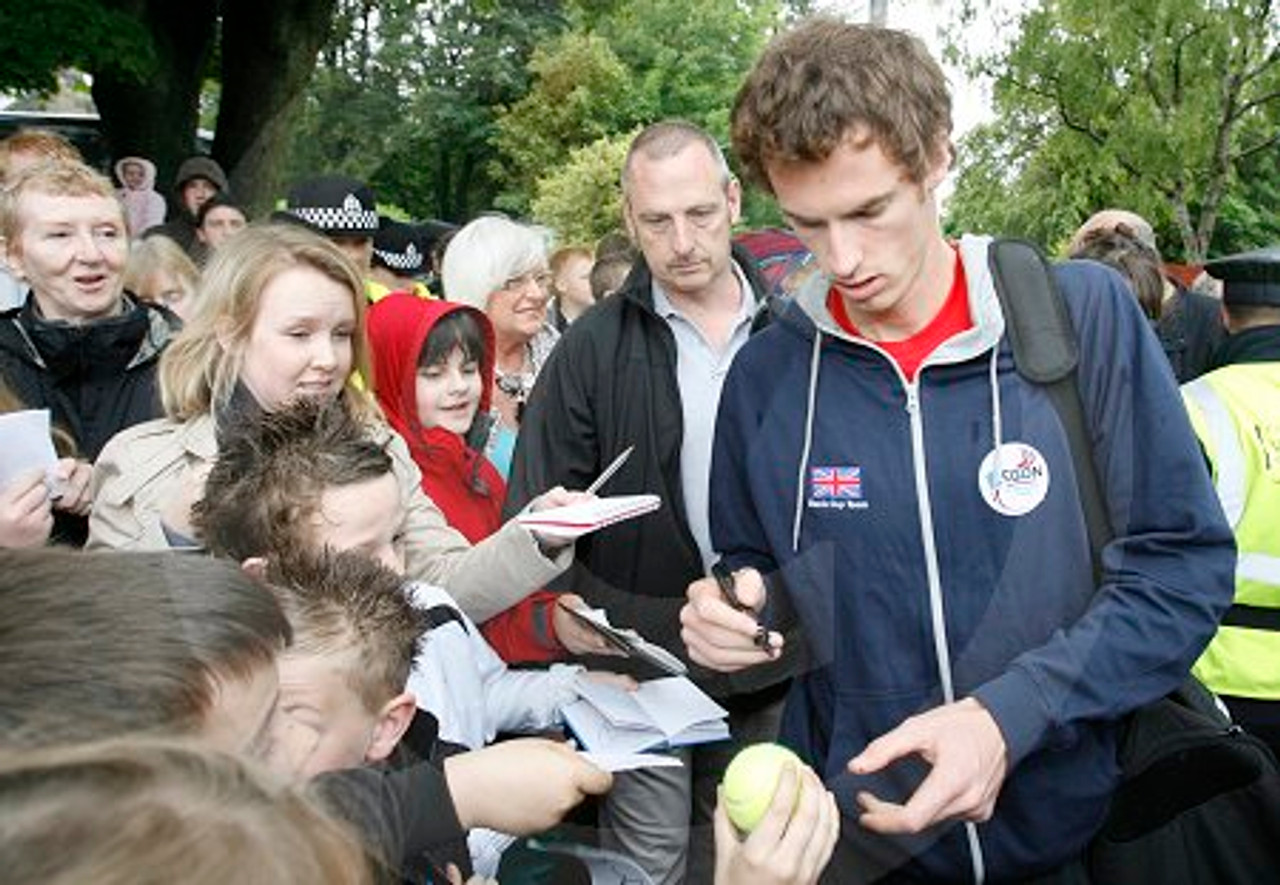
751, 780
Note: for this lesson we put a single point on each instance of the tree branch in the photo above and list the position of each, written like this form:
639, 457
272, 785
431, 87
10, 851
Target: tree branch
1263, 66
1245, 153
1179, 47
1256, 103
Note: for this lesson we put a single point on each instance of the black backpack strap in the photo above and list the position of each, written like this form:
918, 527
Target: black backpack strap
1045, 352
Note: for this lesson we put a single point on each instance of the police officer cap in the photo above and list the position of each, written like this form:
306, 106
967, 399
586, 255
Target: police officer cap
334, 205
1249, 277
396, 246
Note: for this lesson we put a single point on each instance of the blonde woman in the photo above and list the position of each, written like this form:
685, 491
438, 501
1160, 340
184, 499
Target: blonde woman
280, 314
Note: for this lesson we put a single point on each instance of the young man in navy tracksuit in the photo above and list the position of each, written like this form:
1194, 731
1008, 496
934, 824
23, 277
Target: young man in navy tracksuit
910, 497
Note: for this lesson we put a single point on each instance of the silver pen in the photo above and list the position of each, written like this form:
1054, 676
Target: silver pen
609, 471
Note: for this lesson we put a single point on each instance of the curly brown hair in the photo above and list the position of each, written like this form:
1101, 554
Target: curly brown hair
827, 80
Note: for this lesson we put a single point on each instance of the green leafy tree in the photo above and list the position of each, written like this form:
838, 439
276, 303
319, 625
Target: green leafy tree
409, 92
1155, 105
582, 93
626, 64
690, 58
354, 110
150, 58
1250, 217
40, 39
581, 200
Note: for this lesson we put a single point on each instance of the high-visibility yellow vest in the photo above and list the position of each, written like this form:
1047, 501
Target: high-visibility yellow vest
1235, 411
375, 291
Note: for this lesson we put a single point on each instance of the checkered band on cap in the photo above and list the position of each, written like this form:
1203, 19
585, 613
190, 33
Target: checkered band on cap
350, 216
409, 259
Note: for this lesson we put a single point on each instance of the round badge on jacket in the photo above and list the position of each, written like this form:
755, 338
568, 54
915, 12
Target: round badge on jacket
1013, 479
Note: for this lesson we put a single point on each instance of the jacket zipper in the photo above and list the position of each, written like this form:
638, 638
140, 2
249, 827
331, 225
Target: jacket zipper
942, 651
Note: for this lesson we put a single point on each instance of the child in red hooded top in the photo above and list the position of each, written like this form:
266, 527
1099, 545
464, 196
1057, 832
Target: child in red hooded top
433, 373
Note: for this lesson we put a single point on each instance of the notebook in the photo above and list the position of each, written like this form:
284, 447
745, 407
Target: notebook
661, 713
574, 520
627, 641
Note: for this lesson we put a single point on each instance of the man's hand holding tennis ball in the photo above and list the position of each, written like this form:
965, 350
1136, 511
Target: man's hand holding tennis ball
776, 824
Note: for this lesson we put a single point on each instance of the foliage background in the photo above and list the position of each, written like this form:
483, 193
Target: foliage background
452, 107
1170, 108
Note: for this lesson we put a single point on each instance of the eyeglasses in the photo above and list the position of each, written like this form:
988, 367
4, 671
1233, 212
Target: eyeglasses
541, 278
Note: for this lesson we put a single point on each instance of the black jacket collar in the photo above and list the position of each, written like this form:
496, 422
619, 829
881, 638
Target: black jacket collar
1258, 345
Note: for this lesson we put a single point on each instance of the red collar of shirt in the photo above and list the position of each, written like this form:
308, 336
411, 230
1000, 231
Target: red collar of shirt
951, 319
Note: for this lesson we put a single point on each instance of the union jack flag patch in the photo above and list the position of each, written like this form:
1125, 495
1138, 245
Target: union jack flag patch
835, 483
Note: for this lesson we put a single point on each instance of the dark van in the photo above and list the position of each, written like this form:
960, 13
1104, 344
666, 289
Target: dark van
82, 130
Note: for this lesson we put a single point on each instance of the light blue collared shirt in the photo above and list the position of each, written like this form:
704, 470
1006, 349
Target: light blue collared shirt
700, 373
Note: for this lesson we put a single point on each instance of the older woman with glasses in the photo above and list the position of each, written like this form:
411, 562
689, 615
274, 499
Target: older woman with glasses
500, 266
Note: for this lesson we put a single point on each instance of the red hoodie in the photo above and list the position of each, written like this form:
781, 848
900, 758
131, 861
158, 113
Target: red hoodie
467, 488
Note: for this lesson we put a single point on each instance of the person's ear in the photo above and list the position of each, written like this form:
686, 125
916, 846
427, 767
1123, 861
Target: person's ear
733, 191
394, 720
255, 567
223, 331
11, 258
627, 221
940, 166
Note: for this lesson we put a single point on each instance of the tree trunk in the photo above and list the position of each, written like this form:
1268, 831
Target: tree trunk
157, 116
444, 186
1193, 248
270, 52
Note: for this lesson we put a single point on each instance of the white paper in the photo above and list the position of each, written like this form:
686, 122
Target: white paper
594, 731
617, 705
675, 704
25, 445
575, 520
671, 711
609, 761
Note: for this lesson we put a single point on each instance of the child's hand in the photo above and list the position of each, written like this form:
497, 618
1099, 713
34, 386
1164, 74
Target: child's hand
25, 514
521, 786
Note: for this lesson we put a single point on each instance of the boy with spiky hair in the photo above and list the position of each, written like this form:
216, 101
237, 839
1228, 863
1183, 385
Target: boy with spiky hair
308, 477
356, 634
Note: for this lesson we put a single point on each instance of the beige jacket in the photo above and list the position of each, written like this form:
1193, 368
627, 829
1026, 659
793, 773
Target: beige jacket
144, 467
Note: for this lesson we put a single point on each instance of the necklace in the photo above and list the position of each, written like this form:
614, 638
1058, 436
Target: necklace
514, 385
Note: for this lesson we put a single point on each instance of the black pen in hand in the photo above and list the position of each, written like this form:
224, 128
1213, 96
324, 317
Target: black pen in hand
727, 584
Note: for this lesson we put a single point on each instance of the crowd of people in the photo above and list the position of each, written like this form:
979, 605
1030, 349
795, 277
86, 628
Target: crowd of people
272, 606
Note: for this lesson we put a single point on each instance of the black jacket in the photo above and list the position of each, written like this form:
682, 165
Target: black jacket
1190, 331
611, 383
403, 813
95, 379
1260, 344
